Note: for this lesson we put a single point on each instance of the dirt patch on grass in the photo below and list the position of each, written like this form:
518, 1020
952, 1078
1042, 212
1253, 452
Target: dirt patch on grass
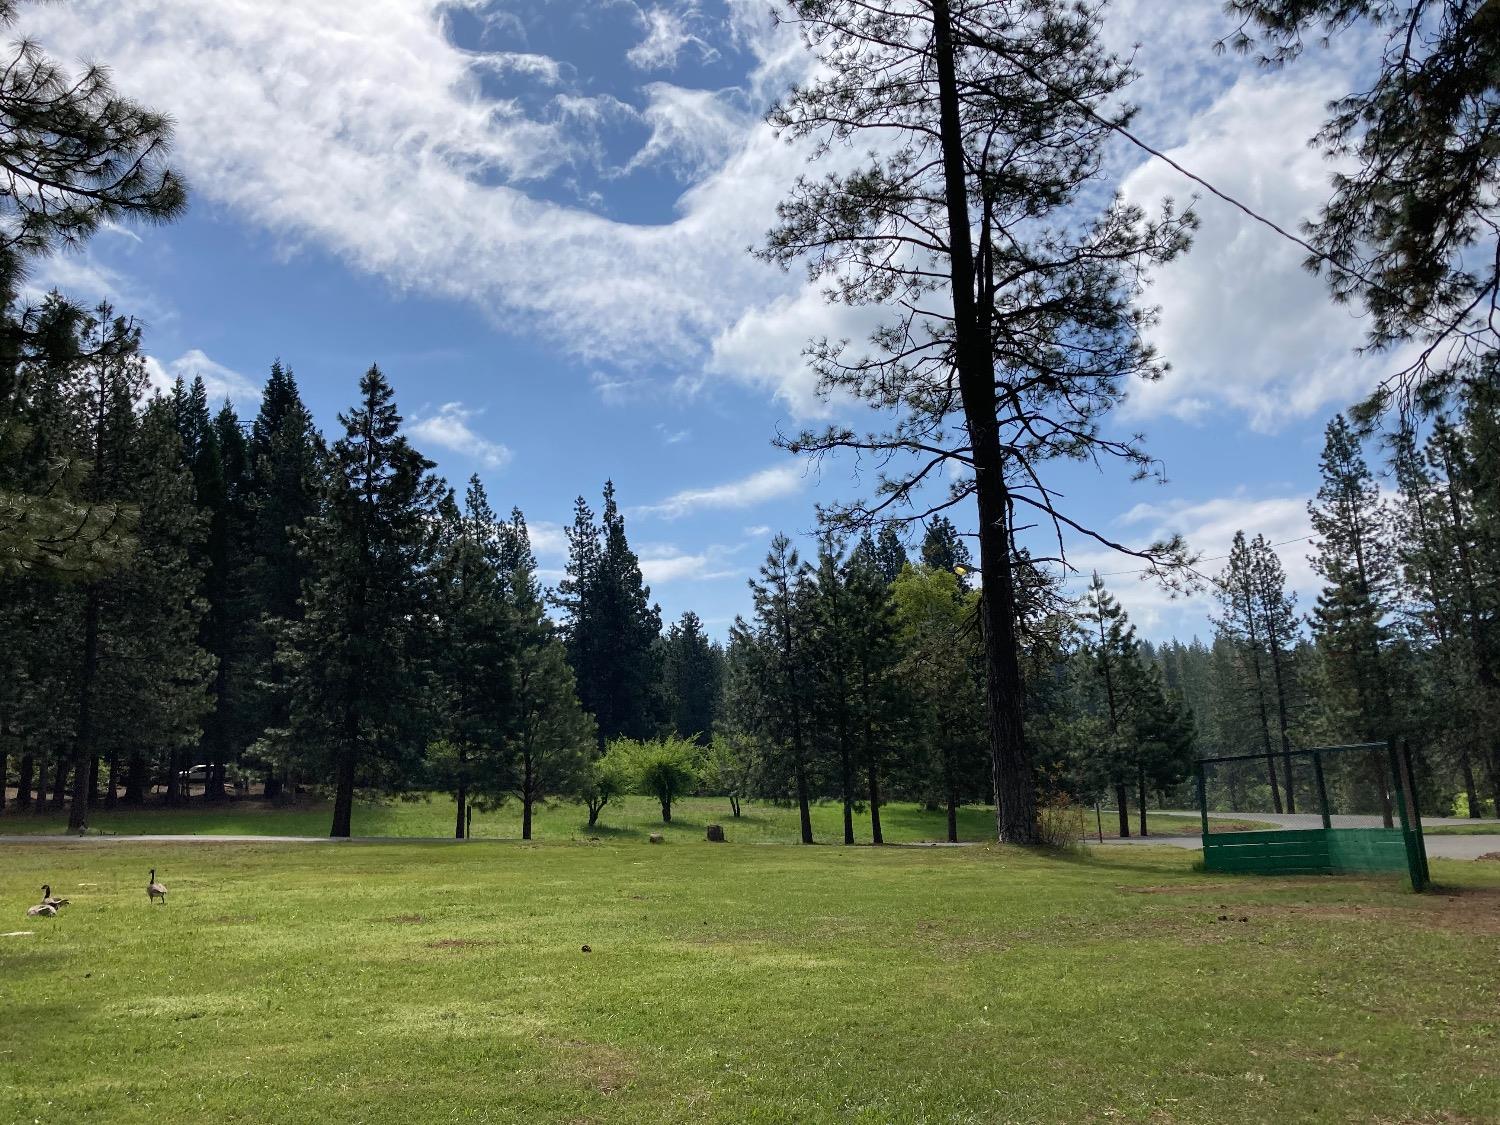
457, 944
1473, 911
608, 1069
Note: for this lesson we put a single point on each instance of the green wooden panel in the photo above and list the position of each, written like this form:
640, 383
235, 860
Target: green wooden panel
1307, 851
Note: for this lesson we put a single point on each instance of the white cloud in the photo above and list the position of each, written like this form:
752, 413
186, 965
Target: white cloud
449, 429
757, 488
691, 130
668, 564
548, 540
1243, 324
1209, 527
670, 436
667, 33
219, 381
758, 531
354, 125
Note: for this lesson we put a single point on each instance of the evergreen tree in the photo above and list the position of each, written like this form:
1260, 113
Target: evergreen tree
1351, 617
873, 657
940, 670
554, 737
944, 549
889, 554
1241, 621
286, 455
612, 627
1018, 326
779, 649
355, 661
692, 675
473, 651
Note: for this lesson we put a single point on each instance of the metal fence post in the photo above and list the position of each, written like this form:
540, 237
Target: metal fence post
1322, 784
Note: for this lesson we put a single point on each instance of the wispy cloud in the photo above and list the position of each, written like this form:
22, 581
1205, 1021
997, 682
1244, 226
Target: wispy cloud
664, 564
668, 31
757, 488
670, 436
449, 429
219, 381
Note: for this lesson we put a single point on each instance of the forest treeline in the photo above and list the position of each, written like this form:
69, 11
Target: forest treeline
300, 610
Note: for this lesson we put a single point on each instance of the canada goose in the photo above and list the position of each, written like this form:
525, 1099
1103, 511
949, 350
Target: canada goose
155, 890
48, 900
42, 910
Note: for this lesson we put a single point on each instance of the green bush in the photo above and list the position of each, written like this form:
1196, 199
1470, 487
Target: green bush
664, 768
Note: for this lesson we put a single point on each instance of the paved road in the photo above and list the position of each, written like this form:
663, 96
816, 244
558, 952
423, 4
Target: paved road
1340, 820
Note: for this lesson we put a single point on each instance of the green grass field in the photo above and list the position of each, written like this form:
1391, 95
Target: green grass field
446, 982
1490, 829
626, 818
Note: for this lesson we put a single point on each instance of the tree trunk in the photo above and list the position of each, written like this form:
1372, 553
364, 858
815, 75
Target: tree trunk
271, 788
1122, 806
112, 792
734, 805
952, 817
594, 811
23, 782
666, 810
343, 799
1010, 760
803, 811
1471, 791
83, 748
1140, 793
459, 821
60, 786
136, 779
4, 774
846, 783
876, 835
528, 794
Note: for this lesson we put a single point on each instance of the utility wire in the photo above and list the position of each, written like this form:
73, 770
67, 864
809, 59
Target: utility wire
1148, 570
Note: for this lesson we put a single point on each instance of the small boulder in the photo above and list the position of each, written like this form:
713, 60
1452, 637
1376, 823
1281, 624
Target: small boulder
656, 837
715, 833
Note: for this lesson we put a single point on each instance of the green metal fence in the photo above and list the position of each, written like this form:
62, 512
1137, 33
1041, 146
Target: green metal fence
1385, 777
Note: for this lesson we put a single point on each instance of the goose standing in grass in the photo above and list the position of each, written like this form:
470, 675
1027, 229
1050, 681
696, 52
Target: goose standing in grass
48, 899
42, 910
155, 890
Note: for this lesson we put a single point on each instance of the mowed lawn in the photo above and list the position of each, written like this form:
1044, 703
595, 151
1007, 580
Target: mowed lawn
626, 818
413, 982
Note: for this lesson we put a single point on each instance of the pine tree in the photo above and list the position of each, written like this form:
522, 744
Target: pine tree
473, 655
779, 648
832, 628
1350, 620
940, 670
554, 737
944, 549
872, 668
355, 661
286, 455
692, 675
889, 554
1241, 620
1017, 326
612, 627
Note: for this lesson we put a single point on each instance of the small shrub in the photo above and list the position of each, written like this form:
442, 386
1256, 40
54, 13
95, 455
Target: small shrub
1061, 823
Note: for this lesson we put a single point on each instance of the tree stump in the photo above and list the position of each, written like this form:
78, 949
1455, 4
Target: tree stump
656, 837
715, 833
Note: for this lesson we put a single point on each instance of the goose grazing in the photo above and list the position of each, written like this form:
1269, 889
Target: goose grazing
155, 890
48, 899
42, 910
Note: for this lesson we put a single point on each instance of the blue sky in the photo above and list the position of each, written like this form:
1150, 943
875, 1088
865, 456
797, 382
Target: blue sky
534, 217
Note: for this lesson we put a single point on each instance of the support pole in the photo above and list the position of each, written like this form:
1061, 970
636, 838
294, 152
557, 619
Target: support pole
1202, 801
1322, 784
1409, 785
1413, 857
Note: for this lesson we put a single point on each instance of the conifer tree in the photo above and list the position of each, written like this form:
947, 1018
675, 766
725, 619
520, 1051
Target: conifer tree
355, 662
473, 651
778, 646
944, 549
692, 674
1242, 622
889, 553
873, 656
1351, 617
554, 739
286, 455
832, 629
612, 626
1017, 326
